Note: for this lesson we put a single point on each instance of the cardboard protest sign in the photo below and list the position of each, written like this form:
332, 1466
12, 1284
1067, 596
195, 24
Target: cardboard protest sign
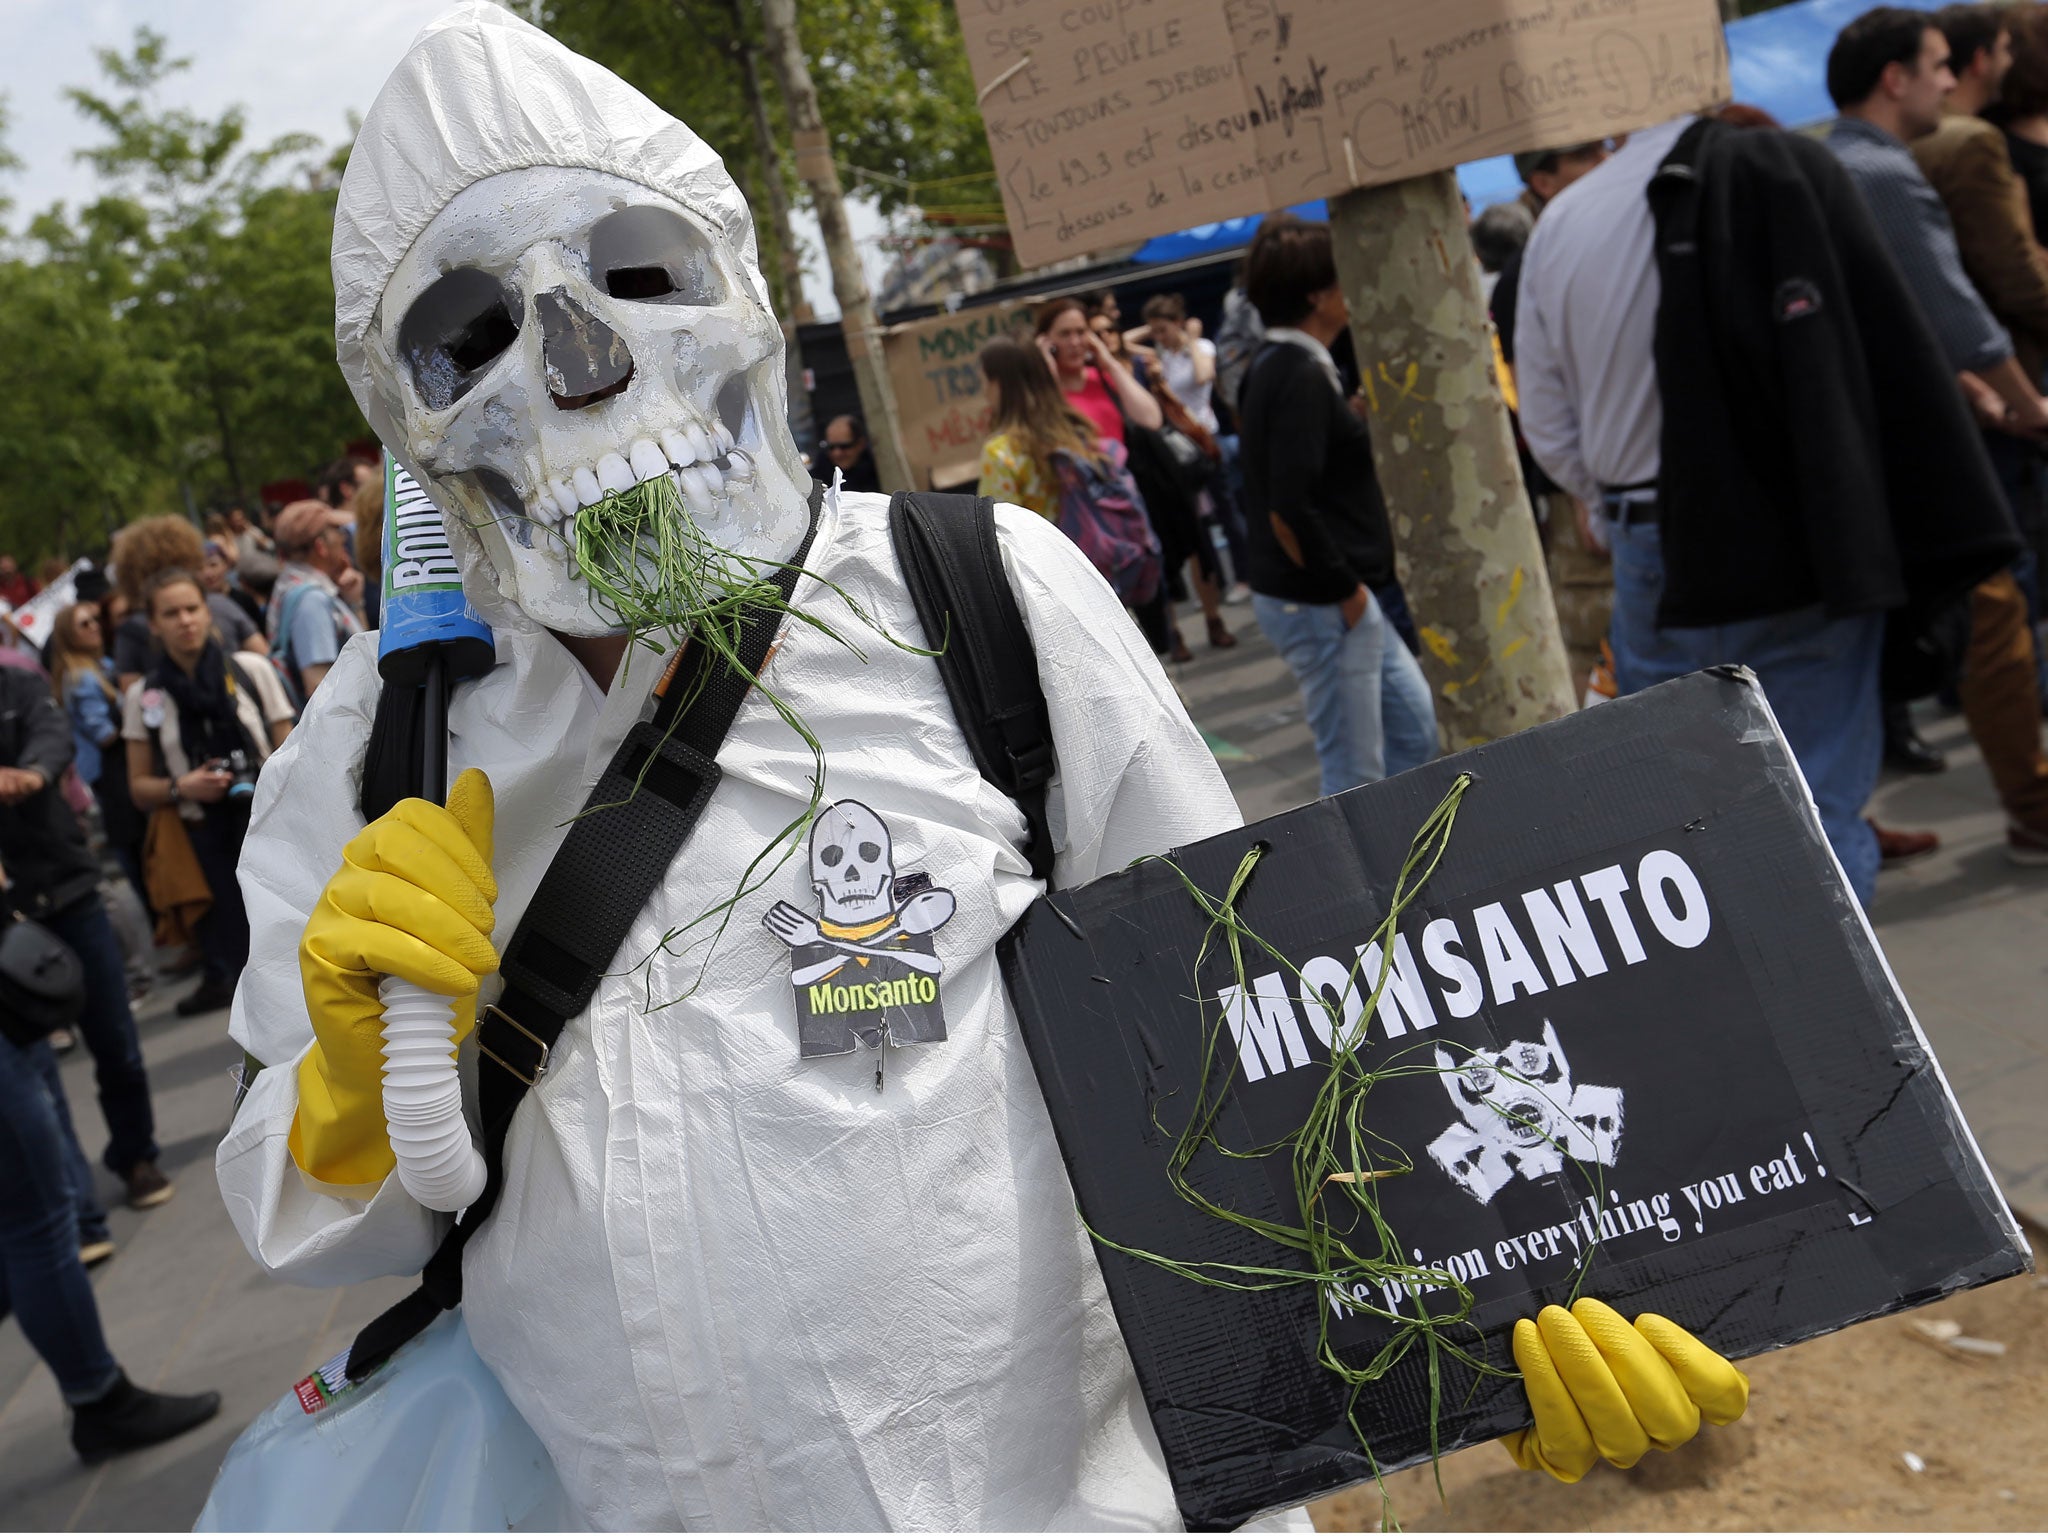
1113, 120
942, 404
1636, 1042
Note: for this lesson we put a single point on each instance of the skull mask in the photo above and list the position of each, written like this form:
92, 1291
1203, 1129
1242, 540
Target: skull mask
852, 867
575, 313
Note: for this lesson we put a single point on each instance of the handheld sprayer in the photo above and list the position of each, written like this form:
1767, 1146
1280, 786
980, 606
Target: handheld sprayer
429, 639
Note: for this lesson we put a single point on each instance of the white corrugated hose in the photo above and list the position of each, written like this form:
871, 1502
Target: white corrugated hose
438, 1162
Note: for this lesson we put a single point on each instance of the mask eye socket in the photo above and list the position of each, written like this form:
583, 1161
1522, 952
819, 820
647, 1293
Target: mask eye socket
832, 857
652, 255
454, 332
871, 852
644, 283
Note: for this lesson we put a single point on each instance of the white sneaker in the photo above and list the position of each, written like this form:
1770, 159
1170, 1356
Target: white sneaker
1238, 593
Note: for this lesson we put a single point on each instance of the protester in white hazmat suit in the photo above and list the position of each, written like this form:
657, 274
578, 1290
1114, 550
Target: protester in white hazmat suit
727, 1286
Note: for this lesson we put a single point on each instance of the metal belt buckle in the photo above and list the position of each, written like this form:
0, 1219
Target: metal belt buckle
539, 1071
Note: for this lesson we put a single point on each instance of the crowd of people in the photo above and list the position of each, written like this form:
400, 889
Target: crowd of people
1791, 388
1220, 471
1833, 478
131, 741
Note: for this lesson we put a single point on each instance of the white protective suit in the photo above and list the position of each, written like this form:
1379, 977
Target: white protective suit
730, 1288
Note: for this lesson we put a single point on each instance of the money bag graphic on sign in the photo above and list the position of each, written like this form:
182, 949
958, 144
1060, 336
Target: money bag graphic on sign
864, 966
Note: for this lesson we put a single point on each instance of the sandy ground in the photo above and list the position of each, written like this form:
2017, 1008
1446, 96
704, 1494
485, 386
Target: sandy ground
1822, 1447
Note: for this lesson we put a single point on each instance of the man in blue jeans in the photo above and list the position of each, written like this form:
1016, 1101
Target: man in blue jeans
1593, 418
43, 1283
52, 877
1320, 545
1819, 675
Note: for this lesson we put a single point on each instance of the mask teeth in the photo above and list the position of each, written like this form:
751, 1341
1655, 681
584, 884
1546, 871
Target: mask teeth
647, 461
696, 491
705, 462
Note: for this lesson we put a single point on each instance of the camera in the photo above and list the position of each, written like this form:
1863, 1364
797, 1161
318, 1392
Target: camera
242, 774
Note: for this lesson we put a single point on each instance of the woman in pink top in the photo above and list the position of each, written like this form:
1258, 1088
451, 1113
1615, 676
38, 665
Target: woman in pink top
1094, 382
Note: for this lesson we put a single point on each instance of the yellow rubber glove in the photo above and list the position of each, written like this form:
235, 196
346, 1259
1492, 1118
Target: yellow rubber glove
1603, 1389
413, 899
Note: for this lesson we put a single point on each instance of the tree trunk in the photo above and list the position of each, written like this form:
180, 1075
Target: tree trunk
788, 257
796, 309
1470, 558
849, 283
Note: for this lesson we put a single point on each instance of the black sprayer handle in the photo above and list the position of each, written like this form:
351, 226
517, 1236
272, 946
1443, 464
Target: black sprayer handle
434, 730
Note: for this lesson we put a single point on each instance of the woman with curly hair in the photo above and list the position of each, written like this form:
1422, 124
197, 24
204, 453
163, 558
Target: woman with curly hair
166, 543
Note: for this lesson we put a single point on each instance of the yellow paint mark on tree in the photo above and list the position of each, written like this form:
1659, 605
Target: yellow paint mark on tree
1514, 596
1439, 647
1404, 386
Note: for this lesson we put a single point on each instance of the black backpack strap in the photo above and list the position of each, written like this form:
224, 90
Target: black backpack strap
946, 545
616, 854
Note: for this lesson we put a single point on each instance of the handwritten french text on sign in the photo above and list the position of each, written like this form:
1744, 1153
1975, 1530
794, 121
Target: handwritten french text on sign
1113, 120
942, 401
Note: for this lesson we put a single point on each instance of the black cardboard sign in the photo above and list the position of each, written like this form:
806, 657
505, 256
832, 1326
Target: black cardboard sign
1674, 1070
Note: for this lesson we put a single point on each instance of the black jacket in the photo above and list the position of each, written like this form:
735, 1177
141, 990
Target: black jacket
1816, 448
48, 865
1309, 482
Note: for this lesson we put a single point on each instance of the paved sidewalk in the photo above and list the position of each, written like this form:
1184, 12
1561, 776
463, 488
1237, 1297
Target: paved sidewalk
185, 1308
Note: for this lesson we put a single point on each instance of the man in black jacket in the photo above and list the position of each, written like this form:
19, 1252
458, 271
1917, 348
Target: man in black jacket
1733, 370
1322, 553
1817, 454
52, 877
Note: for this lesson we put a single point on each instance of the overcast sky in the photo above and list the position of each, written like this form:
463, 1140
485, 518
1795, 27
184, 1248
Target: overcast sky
293, 66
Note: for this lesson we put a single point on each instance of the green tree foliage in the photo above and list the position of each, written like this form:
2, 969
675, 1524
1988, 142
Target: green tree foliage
179, 328
893, 85
82, 438
898, 98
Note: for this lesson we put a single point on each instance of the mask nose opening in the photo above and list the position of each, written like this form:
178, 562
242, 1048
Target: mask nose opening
586, 360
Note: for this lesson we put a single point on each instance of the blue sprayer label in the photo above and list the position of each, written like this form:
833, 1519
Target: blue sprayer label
423, 601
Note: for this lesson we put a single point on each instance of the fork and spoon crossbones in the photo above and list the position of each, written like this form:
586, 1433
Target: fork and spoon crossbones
925, 912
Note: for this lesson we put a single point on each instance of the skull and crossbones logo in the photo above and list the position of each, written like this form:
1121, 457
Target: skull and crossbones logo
864, 965
1519, 1113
